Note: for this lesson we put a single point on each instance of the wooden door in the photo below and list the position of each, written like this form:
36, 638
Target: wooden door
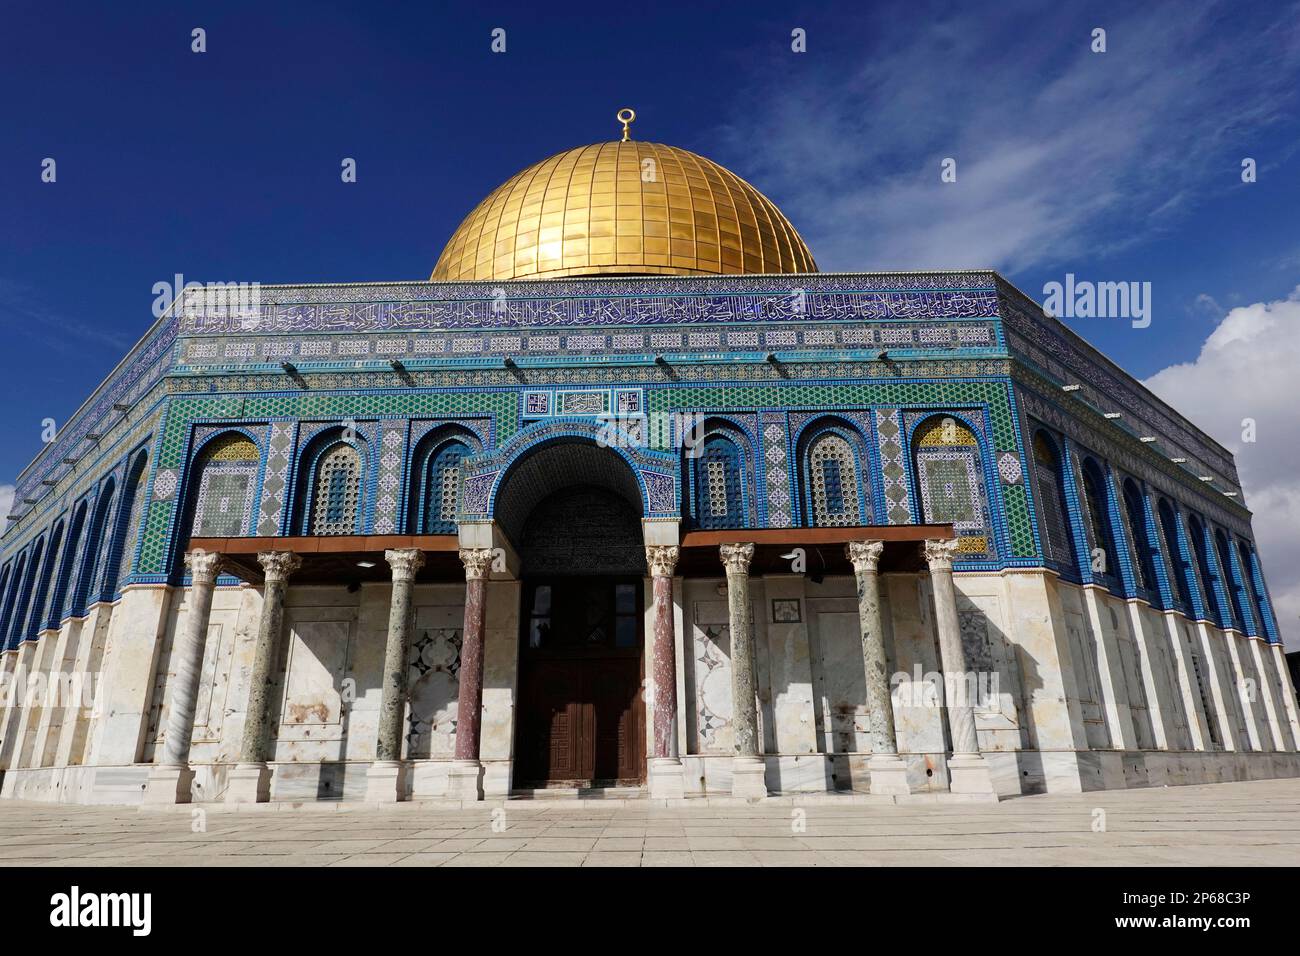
581, 718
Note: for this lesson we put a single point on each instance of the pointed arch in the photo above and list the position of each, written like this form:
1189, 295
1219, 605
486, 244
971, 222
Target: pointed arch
1095, 503
436, 476
1231, 581
40, 611
18, 629
1180, 571
223, 480
15, 594
94, 547
1144, 569
125, 528
834, 483
1058, 542
719, 478
948, 464
71, 550
1209, 580
330, 497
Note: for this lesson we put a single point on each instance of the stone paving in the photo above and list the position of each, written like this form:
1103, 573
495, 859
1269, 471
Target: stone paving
1255, 823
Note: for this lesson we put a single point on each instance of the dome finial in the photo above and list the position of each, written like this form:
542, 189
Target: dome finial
625, 116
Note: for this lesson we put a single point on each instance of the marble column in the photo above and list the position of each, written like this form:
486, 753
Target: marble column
465, 779
250, 779
171, 778
887, 769
666, 778
968, 772
386, 777
747, 769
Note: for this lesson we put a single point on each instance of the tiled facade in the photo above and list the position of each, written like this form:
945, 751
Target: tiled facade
883, 360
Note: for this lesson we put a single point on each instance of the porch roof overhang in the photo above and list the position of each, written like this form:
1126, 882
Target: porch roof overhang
339, 559
342, 559
823, 548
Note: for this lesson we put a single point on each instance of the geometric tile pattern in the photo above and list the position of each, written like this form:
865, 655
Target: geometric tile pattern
276, 478
392, 458
893, 466
775, 458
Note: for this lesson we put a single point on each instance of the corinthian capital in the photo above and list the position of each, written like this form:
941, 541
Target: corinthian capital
864, 555
405, 563
661, 558
204, 566
939, 554
736, 557
477, 561
278, 565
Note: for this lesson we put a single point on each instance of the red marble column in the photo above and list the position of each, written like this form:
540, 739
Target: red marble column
662, 559
470, 703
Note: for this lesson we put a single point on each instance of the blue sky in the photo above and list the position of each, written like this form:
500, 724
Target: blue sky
224, 166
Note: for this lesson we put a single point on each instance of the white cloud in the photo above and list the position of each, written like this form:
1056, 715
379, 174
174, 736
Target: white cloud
1247, 369
1060, 152
6, 501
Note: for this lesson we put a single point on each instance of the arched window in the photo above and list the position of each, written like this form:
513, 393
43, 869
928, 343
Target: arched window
1180, 573
336, 492
126, 528
1096, 514
18, 630
436, 490
6, 598
1209, 580
1259, 594
93, 550
1144, 570
833, 484
1251, 604
950, 476
1051, 494
40, 612
227, 477
15, 593
71, 550
719, 480
1231, 580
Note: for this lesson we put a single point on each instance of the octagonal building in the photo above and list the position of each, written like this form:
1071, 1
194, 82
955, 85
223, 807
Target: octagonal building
629, 496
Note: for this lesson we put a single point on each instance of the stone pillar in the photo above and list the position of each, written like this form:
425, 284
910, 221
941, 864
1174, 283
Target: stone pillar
465, 779
171, 777
250, 780
666, 779
386, 778
968, 772
747, 770
887, 769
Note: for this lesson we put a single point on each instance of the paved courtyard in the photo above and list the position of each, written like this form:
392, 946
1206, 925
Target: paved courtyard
1256, 823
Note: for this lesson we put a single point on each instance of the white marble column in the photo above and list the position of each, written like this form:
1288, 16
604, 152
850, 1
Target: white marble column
250, 780
888, 771
386, 778
747, 769
171, 778
968, 772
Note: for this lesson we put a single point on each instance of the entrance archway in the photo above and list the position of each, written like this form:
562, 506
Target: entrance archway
573, 511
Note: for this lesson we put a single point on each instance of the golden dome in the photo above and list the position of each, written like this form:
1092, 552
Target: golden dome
622, 208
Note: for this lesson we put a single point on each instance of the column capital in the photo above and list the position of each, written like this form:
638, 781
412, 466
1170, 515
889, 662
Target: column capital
736, 557
405, 563
278, 565
204, 566
939, 554
477, 561
662, 559
864, 555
